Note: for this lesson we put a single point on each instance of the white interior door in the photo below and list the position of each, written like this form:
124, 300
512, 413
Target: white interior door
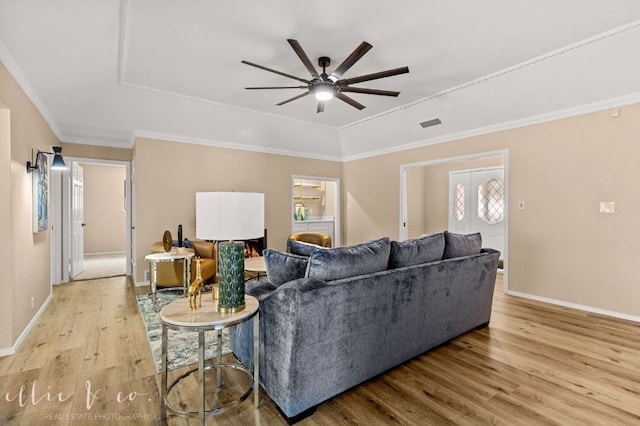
476, 204
77, 220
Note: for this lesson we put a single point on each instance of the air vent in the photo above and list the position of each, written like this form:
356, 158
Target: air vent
430, 123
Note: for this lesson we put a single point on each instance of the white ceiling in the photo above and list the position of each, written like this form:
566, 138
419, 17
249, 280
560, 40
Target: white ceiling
105, 71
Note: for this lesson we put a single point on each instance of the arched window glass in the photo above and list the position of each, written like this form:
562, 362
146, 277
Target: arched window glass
491, 201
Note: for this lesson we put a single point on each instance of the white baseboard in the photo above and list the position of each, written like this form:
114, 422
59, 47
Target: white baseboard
591, 309
141, 283
106, 253
12, 350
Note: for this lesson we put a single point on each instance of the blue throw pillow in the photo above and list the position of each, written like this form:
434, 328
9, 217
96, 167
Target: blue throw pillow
414, 252
283, 267
457, 245
345, 262
301, 248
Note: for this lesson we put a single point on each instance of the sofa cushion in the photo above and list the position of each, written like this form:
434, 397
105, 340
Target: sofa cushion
283, 267
457, 245
343, 262
416, 251
301, 248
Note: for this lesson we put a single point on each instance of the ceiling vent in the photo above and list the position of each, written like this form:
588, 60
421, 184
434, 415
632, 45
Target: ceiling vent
429, 123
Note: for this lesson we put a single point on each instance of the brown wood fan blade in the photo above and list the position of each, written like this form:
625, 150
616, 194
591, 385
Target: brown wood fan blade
303, 57
369, 91
294, 98
373, 76
275, 71
351, 59
350, 101
320, 106
277, 87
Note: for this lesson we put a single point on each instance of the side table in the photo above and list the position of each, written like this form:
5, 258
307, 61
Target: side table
156, 258
255, 264
177, 316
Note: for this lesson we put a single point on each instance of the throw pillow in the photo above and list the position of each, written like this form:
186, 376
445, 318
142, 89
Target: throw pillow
283, 267
345, 262
301, 248
456, 245
414, 252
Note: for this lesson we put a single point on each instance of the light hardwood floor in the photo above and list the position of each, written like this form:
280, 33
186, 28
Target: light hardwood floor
534, 364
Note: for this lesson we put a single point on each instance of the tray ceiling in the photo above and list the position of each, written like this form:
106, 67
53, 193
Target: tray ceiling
103, 72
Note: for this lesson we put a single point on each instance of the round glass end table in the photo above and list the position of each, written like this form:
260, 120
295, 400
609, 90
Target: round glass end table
177, 316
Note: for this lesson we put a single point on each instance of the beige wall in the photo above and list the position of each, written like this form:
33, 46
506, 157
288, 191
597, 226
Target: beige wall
6, 284
29, 254
415, 219
560, 247
98, 152
104, 211
168, 174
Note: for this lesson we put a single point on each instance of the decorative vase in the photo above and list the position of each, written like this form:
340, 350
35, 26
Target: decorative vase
231, 277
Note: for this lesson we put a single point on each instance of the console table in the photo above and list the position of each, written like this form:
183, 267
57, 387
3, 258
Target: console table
177, 316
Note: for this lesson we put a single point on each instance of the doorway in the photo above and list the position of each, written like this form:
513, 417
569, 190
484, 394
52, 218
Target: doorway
424, 196
95, 208
476, 204
315, 206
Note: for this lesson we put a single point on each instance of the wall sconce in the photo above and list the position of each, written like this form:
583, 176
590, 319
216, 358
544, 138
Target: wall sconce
57, 164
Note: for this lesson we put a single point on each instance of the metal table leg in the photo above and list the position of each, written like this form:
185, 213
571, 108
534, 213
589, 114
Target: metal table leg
163, 379
201, 376
154, 283
256, 360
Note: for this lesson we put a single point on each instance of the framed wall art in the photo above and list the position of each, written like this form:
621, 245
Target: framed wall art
40, 191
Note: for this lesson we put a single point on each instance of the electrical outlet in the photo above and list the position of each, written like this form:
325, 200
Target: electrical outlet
147, 276
521, 205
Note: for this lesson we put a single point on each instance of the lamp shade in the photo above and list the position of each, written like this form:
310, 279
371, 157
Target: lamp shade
229, 215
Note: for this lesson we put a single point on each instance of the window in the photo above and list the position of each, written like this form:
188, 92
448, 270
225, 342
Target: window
459, 201
491, 201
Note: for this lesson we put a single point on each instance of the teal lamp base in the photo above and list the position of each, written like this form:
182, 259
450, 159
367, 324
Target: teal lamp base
230, 277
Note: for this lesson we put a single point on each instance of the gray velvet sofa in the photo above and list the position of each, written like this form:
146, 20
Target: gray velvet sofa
351, 313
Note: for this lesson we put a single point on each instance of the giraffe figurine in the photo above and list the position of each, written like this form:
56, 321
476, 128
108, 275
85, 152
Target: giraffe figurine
195, 289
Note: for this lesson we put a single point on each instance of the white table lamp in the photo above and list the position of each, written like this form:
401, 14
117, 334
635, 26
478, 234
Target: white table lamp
229, 216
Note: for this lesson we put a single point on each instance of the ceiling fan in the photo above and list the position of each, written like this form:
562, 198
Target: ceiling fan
326, 86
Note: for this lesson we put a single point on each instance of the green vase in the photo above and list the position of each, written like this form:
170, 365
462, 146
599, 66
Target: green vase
230, 277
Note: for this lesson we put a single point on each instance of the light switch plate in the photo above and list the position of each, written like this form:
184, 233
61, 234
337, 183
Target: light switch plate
607, 207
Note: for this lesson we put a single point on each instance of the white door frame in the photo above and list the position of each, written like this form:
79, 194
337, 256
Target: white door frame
336, 219
402, 226
61, 247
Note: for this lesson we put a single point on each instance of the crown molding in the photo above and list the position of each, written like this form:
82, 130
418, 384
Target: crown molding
499, 73
123, 38
231, 145
508, 125
17, 74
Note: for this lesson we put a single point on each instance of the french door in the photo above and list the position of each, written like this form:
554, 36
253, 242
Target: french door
476, 204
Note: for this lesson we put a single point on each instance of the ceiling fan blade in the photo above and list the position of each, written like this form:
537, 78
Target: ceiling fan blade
351, 59
294, 98
303, 57
277, 87
373, 76
320, 106
350, 101
369, 91
276, 72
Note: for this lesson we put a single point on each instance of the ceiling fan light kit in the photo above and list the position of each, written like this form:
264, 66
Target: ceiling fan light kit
325, 86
